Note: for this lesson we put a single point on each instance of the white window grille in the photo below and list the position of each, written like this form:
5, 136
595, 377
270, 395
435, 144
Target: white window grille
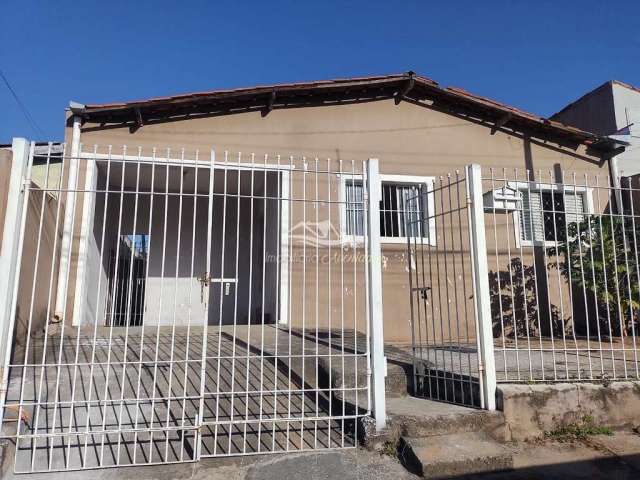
405, 208
545, 212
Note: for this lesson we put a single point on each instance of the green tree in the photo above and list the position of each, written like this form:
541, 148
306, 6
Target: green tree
599, 257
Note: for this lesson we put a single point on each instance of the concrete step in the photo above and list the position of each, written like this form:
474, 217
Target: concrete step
453, 455
420, 418
344, 376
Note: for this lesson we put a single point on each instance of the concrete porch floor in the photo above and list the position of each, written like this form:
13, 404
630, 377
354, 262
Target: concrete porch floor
292, 390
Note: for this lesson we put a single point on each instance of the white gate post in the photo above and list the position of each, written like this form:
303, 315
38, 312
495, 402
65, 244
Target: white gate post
67, 233
11, 254
378, 360
481, 295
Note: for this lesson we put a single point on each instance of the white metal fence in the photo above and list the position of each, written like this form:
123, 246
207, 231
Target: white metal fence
179, 305
523, 277
564, 268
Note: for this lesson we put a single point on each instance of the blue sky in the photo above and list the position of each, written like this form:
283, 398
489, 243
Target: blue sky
536, 55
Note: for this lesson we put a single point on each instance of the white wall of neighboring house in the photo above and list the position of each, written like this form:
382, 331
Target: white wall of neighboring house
626, 103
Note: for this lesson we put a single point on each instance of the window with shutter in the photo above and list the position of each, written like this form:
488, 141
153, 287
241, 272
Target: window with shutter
546, 213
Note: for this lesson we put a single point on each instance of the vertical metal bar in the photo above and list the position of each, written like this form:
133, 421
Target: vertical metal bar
95, 326
465, 294
145, 300
264, 267
555, 242
612, 219
304, 294
205, 320
247, 372
545, 264
599, 209
63, 320
498, 281
115, 283
634, 232
316, 207
588, 216
289, 296
455, 288
354, 256
235, 304
529, 181
37, 408
279, 178
88, 207
222, 270
329, 286
175, 305
520, 217
160, 303
482, 293
187, 361
378, 360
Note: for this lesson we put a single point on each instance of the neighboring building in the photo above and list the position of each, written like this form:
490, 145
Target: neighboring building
612, 109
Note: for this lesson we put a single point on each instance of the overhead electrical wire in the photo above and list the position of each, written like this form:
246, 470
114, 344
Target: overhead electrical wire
32, 122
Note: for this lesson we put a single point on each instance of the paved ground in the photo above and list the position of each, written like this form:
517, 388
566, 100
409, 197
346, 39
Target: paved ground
535, 359
351, 464
598, 458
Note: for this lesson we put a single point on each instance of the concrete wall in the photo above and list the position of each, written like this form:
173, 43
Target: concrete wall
408, 139
532, 410
38, 261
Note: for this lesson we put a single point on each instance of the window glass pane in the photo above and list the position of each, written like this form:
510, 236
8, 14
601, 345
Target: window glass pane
546, 214
553, 215
354, 208
401, 209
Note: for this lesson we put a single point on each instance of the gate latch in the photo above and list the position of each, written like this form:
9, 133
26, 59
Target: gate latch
423, 292
204, 280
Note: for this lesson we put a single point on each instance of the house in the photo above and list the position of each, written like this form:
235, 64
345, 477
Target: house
220, 264
418, 129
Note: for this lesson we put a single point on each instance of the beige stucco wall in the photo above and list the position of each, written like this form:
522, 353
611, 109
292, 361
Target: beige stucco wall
5, 173
408, 139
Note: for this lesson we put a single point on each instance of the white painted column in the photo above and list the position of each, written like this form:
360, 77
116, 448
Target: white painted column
11, 254
481, 287
88, 216
378, 360
69, 210
284, 260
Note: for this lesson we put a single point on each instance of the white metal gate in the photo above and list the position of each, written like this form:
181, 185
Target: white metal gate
174, 305
447, 264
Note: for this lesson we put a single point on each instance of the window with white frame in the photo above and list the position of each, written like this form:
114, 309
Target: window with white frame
547, 210
404, 207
